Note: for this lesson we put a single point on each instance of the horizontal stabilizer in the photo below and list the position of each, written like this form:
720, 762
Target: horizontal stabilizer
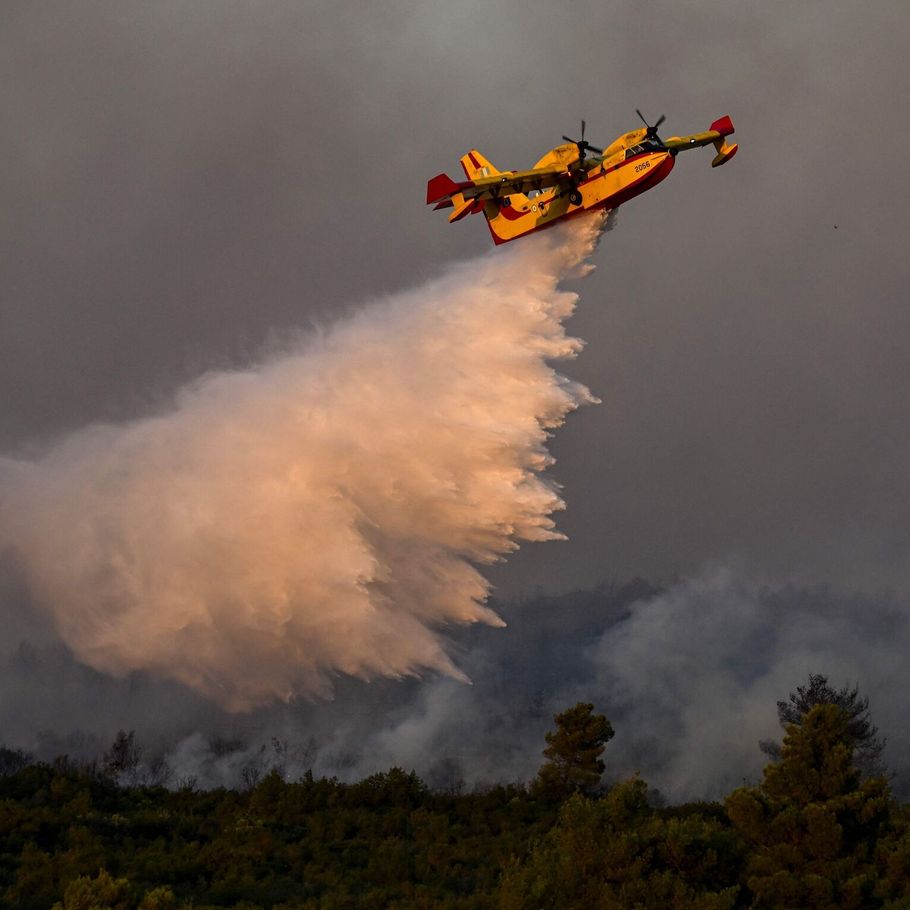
724, 152
443, 185
462, 207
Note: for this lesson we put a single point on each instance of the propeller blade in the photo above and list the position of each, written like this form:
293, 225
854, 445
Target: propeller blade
652, 130
582, 144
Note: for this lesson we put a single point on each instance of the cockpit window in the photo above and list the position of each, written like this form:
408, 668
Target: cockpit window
648, 145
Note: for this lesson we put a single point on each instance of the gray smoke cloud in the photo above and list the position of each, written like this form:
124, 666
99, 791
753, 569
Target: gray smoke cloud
689, 676
325, 511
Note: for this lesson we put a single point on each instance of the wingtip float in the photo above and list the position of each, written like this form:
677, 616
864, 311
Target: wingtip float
570, 179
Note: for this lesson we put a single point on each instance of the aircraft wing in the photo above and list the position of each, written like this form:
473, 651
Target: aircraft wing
466, 194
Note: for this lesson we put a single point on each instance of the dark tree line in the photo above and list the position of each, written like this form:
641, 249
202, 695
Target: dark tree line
819, 832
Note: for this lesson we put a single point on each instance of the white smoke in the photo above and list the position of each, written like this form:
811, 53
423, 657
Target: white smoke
696, 672
689, 677
323, 512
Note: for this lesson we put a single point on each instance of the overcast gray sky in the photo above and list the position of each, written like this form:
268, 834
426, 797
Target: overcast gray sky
185, 183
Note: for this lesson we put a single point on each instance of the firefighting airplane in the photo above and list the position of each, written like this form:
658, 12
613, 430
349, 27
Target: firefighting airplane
568, 180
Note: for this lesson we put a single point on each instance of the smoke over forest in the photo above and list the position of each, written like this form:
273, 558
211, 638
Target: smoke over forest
688, 675
299, 542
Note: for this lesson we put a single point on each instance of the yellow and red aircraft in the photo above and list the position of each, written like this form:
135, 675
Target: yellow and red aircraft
568, 180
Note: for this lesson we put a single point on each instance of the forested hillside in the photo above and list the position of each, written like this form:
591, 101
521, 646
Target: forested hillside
821, 830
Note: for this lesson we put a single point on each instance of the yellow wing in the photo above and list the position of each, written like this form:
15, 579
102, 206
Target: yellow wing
560, 167
442, 189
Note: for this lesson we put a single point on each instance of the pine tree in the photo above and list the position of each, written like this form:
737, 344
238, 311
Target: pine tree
573, 752
868, 747
814, 823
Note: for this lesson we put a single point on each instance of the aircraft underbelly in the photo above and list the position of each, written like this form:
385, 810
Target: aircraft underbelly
627, 181
606, 190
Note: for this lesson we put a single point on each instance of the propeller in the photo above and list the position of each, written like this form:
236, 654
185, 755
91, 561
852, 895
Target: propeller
651, 131
582, 144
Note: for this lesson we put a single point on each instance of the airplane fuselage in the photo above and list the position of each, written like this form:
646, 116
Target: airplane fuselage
608, 184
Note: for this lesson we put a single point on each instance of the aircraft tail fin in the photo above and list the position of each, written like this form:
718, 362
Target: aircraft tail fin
724, 125
475, 165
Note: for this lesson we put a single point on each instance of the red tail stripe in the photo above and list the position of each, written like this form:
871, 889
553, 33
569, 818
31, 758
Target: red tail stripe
724, 126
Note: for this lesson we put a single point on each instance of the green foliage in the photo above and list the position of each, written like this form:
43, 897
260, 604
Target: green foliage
573, 752
307, 845
617, 852
99, 893
866, 743
160, 898
814, 835
814, 824
893, 865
